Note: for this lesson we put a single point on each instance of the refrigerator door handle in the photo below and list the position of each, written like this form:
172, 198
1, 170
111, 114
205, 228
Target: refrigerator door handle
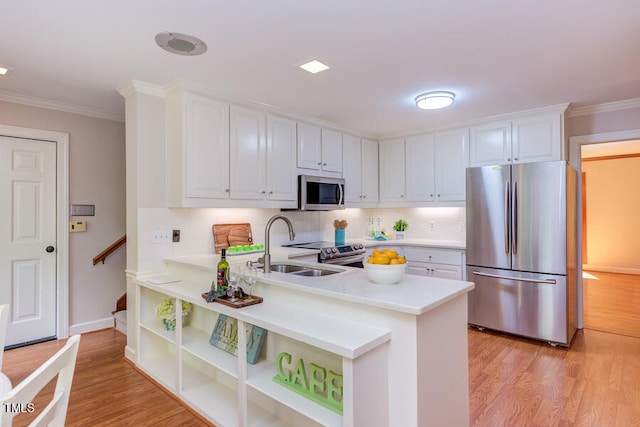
519, 279
507, 219
514, 231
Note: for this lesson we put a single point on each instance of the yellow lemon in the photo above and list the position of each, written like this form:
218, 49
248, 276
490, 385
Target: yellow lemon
376, 252
391, 253
370, 260
394, 261
381, 259
401, 260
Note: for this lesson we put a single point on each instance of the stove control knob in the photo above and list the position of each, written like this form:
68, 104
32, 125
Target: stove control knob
360, 246
334, 250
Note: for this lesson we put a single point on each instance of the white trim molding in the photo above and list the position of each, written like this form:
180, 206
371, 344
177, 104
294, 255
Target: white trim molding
33, 101
604, 108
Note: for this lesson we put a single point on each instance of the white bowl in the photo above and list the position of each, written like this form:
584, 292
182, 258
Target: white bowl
382, 274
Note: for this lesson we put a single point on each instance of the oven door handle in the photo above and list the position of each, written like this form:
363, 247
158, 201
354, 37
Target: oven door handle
344, 260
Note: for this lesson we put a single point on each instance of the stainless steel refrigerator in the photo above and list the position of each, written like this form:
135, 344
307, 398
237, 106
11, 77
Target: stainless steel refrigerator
521, 243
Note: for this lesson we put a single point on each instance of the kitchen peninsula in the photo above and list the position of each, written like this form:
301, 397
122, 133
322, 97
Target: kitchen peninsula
400, 351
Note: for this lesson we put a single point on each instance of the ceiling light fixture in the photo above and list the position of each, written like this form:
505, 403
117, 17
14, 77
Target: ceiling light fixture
314, 66
4, 71
435, 100
181, 44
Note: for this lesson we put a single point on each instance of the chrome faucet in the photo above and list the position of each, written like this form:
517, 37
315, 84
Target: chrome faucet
267, 251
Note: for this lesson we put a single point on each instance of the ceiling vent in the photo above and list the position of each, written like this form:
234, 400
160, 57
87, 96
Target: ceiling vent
181, 44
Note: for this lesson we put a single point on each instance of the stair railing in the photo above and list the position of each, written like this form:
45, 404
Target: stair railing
104, 254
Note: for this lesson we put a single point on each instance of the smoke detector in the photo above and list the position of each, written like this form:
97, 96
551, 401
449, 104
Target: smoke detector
181, 44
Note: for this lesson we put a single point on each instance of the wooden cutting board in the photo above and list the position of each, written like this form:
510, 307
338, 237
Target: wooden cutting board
225, 235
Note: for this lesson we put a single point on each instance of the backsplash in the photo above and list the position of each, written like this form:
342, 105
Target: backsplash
196, 236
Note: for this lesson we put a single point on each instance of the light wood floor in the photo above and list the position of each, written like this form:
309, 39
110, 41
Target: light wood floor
106, 390
517, 382
612, 303
512, 382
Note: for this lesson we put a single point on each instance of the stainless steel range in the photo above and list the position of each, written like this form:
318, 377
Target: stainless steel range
348, 255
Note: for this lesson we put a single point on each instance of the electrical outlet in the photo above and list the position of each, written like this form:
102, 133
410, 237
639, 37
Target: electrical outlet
176, 236
432, 226
160, 236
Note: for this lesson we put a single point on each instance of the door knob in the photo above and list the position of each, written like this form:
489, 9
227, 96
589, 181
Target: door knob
50, 249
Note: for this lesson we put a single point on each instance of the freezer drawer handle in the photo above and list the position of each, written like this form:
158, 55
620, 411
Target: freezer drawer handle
520, 279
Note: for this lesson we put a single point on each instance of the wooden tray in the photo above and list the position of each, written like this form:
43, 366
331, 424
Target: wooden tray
242, 302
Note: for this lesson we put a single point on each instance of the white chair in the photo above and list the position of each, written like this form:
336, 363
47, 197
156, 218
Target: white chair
5, 383
21, 396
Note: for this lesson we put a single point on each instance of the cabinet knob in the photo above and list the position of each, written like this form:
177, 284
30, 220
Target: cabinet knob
430, 195
270, 192
515, 159
226, 190
508, 159
402, 196
438, 196
319, 163
364, 196
324, 164
262, 192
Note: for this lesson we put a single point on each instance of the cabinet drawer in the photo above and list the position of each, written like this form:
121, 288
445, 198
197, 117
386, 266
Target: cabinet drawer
440, 256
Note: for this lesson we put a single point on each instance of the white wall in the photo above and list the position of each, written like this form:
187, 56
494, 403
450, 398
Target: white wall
96, 176
612, 214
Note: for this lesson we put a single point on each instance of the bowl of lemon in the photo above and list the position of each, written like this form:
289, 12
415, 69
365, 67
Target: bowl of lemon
385, 267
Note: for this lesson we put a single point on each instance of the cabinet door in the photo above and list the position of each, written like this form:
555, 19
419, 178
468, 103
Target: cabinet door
392, 175
444, 271
309, 146
331, 150
537, 139
419, 168
206, 147
450, 164
369, 185
247, 161
352, 171
490, 144
281, 159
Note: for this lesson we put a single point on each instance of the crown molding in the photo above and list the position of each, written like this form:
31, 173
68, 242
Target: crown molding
34, 101
626, 104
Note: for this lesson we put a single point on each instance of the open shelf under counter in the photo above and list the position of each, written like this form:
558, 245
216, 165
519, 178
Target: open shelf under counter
261, 379
196, 342
156, 327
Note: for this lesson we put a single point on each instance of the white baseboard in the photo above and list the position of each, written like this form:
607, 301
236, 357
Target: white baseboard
130, 354
94, 325
606, 269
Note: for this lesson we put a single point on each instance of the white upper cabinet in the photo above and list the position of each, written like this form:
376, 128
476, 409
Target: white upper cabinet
537, 138
369, 171
197, 150
435, 166
282, 183
319, 149
392, 172
247, 153
262, 156
360, 170
523, 139
450, 164
419, 170
490, 144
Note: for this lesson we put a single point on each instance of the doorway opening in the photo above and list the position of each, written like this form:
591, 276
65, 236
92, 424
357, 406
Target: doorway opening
611, 268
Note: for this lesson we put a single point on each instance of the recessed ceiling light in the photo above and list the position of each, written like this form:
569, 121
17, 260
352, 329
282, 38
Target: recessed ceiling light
181, 44
3, 71
435, 100
314, 66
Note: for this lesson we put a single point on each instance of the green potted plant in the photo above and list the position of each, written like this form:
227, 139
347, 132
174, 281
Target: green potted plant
166, 311
399, 227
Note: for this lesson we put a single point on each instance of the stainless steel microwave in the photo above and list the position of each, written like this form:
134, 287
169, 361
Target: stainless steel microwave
319, 193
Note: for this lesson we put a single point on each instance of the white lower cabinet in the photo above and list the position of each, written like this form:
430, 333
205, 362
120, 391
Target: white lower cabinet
227, 390
443, 263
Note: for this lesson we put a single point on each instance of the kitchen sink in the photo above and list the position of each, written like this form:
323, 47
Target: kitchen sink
303, 270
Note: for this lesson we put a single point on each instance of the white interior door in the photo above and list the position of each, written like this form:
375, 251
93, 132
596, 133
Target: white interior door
28, 237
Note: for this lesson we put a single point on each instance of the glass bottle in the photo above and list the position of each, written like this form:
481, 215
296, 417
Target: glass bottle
222, 279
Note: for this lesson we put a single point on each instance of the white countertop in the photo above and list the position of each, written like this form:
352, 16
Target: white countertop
414, 294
